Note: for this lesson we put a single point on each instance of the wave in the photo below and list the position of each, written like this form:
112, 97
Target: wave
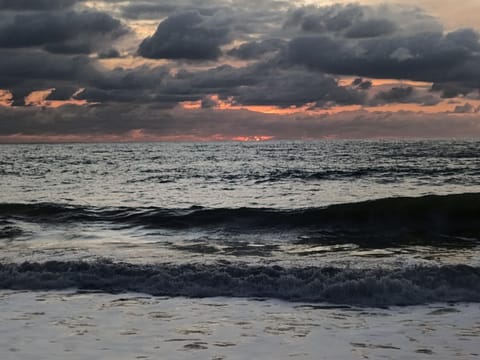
365, 287
9, 232
446, 214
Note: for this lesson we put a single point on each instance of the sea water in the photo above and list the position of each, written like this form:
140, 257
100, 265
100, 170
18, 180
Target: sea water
337, 230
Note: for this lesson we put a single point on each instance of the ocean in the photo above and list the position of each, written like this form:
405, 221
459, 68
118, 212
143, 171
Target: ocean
275, 250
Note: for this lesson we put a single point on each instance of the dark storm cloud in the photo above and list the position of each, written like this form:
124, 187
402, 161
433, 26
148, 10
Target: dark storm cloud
147, 10
62, 93
109, 54
139, 85
386, 41
256, 49
23, 71
156, 9
451, 89
370, 28
259, 84
396, 95
357, 81
224, 80
42, 70
61, 32
186, 35
264, 84
404, 95
361, 21
285, 88
431, 57
208, 103
362, 84
333, 18
205, 26
294, 59
32, 65
65, 120
37, 4
464, 109
245, 16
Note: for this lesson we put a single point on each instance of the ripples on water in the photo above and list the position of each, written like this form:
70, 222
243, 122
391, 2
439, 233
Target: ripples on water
261, 213
230, 175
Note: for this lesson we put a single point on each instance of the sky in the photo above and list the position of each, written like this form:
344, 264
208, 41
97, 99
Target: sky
246, 70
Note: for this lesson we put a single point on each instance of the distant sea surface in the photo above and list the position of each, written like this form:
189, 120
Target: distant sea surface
369, 223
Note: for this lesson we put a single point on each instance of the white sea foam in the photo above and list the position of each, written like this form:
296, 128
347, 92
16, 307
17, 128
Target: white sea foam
366, 287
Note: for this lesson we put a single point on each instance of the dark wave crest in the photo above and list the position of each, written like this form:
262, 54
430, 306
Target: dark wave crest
448, 213
367, 287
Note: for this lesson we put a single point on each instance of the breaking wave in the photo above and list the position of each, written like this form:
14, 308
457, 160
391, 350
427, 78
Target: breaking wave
366, 287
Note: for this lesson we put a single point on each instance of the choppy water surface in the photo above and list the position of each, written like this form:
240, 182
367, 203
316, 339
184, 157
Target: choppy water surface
361, 222
231, 175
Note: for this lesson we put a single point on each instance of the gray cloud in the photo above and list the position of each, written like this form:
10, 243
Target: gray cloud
220, 21
361, 21
157, 9
62, 93
37, 4
334, 18
295, 56
260, 84
244, 17
61, 32
464, 109
208, 103
426, 56
109, 54
296, 87
146, 10
396, 95
370, 28
23, 71
404, 95
186, 35
257, 49
264, 84
35, 66
386, 41
362, 84
451, 89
